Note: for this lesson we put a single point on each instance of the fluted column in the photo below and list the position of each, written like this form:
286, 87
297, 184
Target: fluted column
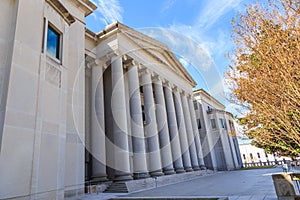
137, 127
97, 124
226, 146
120, 135
182, 132
234, 156
155, 166
189, 132
163, 130
173, 130
212, 139
196, 134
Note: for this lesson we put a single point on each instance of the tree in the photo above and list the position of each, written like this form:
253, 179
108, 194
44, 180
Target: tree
264, 75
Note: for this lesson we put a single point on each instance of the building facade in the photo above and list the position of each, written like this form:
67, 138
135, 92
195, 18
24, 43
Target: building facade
217, 133
76, 106
252, 154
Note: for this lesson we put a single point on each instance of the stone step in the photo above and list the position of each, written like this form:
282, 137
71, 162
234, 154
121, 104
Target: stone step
117, 188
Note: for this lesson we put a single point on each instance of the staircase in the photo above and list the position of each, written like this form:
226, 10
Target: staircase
117, 187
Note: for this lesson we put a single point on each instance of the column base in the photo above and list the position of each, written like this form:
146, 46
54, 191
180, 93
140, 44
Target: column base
196, 168
202, 167
123, 177
99, 178
179, 170
169, 171
156, 173
141, 175
188, 169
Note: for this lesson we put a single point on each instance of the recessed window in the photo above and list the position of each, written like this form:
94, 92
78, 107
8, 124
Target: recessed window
53, 42
213, 123
198, 123
195, 105
221, 123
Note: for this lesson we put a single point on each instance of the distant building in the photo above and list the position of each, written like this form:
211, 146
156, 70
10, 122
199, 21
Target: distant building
252, 154
78, 107
217, 133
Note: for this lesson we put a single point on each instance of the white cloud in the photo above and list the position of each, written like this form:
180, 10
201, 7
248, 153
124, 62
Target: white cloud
217, 44
167, 5
184, 62
110, 11
214, 10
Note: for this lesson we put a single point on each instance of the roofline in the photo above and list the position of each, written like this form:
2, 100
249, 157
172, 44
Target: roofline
87, 5
117, 25
202, 91
90, 34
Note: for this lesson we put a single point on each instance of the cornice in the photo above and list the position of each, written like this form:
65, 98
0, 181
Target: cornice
86, 5
205, 94
61, 10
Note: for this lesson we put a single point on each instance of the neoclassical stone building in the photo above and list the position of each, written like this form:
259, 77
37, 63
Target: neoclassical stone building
217, 133
79, 107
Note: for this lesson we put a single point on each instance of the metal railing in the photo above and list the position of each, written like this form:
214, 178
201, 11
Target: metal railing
260, 163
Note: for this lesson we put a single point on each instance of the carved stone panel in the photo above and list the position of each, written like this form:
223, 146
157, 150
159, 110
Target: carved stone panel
53, 75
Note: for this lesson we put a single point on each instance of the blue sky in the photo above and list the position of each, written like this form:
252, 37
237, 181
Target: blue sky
206, 23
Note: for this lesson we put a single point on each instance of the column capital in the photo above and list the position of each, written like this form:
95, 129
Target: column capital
189, 96
100, 62
96, 63
157, 79
133, 63
167, 84
177, 89
115, 54
186, 94
124, 57
144, 71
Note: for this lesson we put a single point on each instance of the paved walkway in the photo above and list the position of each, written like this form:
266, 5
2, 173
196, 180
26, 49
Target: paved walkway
237, 185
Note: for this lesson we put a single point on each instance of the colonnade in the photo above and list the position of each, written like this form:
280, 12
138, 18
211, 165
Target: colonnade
163, 130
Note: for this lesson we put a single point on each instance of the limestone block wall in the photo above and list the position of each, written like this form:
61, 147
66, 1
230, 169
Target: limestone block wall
41, 101
8, 11
75, 135
22, 77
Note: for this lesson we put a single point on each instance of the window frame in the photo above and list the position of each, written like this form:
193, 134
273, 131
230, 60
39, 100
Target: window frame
58, 54
221, 122
213, 123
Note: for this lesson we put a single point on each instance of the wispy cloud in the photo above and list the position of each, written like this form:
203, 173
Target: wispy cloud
214, 10
167, 5
110, 11
216, 44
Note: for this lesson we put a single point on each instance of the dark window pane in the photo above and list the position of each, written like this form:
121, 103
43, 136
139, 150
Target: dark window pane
213, 123
199, 123
195, 105
53, 42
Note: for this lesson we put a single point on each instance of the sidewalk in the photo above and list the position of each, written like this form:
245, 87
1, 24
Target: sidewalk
237, 185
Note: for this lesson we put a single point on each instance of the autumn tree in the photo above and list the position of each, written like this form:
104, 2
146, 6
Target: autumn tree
264, 75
